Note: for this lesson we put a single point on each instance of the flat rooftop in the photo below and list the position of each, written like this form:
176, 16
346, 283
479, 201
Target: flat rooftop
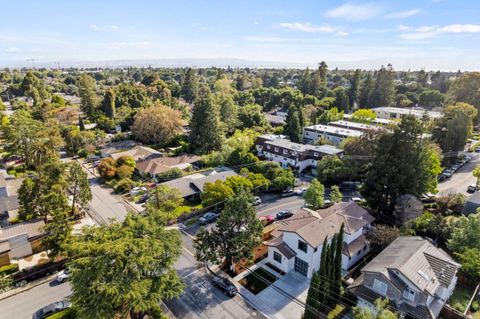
329, 129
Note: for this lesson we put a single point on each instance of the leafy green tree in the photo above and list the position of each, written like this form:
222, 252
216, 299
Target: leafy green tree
124, 268
190, 86
78, 185
235, 236
330, 115
108, 103
381, 236
382, 311
124, 171
165, 199
336, 195
315, 194
431, 98
251, 116
216, 192
107, 168
157, 124
364, 115
88, 95
465, 234
239, 182
466, 88
476, 173
206, 134
454, 127
228, 112
259, 182
403, 164
470, 260
281, 179
341, 99
331, 169
58, 231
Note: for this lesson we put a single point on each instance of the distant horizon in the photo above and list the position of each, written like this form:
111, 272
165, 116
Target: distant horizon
220, 62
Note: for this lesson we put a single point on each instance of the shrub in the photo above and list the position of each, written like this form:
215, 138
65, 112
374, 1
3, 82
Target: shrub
8, 269
124, 185
64, 314
124, 171
106, 168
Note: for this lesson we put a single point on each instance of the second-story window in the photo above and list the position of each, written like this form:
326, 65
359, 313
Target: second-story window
409, 294
302, 246
285, 152
276, 149
380, 286
268, 147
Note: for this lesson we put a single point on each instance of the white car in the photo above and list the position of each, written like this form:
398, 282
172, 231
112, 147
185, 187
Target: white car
300, 191
63, 275
357, 199
257, 200
137, 190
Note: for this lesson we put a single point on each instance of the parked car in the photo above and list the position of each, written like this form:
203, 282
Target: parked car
284, 214
63, 275
300, 191
207, 218
95, 163
327, 203
287, 193
225, 285
257, 200
51, 309
448, 173
267, 220
472, 188
441, 178
455, 167
137, 190
467, 159
357, 199
143, 198
477, 150
349, 186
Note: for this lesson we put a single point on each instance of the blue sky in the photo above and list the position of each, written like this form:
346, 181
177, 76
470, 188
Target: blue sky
431, 34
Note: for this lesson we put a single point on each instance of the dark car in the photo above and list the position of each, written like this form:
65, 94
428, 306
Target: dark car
143, 198
225, 285
349, 186
284, 214
288, 193
51, 309
207, 218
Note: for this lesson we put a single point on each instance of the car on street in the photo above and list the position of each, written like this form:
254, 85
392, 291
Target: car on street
284, 214
225, 286
441, 178
63, 275
288, 193
455, 167
357, 199
208, 218
257, 200
143, 198
51, 309
448, 173
300, 191
477, 150
327, 203
137, 190
472, 188
266, 220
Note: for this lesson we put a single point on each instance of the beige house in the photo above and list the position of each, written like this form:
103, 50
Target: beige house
20, 240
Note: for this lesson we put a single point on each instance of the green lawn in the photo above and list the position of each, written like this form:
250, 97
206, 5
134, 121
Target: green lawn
460, 297
185, 209
258, 280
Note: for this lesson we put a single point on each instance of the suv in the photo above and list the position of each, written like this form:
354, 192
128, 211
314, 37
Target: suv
63, 275
257, 200
284, 214
207, 218
225, 285
49, 310
472, 188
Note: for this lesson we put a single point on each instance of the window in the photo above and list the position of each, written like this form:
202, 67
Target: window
315, 250
409, 294
380, 286
285, 151
359, 252
302, 246
277, 257
315, 154
276, 149
268, 147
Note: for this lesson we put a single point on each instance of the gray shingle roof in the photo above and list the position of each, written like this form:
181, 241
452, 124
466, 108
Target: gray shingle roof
471, 204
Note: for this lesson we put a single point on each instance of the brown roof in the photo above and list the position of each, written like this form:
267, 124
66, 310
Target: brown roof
350, 213
282, 247
32, 229
139, 153
163, 164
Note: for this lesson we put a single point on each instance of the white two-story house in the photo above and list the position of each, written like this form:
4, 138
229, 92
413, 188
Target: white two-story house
417, 278
297, 242
278, 148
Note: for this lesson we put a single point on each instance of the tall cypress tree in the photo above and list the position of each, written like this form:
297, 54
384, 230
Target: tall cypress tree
312, 303
207, 133
293, 127
109, 103
366, 92
337, 277
354, 91
322, 272
190, 89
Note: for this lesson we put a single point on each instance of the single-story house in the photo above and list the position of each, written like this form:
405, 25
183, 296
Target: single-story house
155, 166
416, 276
20, 240
139, 153
115, 147
191, 186
297, 242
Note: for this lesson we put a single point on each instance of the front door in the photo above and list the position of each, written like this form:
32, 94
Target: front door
301, 266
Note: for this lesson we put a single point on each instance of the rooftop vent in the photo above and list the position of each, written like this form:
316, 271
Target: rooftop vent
423, 275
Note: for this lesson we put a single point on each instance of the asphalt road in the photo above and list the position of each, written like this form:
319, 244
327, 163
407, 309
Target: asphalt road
459, 182
23, 305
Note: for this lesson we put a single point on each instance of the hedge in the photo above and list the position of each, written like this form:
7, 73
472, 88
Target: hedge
8, 269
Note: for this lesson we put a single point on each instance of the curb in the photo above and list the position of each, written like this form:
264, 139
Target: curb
16, 291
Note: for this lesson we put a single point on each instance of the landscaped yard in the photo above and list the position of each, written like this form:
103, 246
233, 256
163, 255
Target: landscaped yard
460, 297
258, 280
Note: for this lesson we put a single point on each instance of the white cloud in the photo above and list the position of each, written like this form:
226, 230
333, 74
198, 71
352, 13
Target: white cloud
355, 12
266, 39
342, 33
113, 27
199, 26
12, 50
403, 14
427, 32
307, 27
403, 27
94, 27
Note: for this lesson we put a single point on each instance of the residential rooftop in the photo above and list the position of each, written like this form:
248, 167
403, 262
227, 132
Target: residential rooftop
334, 130
282, 141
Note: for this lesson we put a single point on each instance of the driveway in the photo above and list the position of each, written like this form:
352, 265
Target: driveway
285, 298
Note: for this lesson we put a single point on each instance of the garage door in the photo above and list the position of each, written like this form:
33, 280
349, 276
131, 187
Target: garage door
301, 266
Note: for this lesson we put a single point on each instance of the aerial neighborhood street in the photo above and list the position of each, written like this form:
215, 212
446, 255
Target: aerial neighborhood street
248, 159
